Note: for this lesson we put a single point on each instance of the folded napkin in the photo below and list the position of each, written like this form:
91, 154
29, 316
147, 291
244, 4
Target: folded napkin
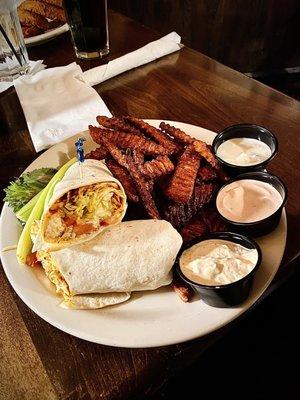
57, 104
34, 67
152, 51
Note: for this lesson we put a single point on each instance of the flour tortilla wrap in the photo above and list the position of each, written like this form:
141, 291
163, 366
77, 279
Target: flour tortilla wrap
84, 202
130, 256
94, 301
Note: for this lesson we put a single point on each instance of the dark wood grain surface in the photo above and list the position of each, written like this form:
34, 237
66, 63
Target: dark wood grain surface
246, 35
37, 361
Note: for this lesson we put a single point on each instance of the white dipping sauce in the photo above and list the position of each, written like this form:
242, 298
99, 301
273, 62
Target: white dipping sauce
248, 200
217, 262
244, 151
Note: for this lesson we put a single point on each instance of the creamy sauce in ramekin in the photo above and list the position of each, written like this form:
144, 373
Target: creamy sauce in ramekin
216, 262
248, 200
244, 151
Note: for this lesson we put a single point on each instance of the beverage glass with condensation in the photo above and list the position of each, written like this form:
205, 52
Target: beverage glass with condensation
89, 27
13, 53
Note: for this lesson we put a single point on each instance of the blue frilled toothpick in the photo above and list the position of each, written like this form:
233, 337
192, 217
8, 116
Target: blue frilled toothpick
80, 153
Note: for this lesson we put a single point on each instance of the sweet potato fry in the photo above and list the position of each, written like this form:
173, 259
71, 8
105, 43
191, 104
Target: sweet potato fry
201, 147
177, 182
182, 289
154, 133
113, 151
32, 20
222, 175
159, 166
138, 179
138, 157
182, 182
127, 141
176, 133
213, 220
122, 175
144, 189
206, 173
179, 214
117, 124
46, 10
196, 227
98, 154
29, 31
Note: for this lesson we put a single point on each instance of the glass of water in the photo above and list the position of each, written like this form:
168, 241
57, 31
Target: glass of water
13, 53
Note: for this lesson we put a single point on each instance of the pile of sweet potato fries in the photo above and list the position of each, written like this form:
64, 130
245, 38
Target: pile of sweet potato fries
172, 175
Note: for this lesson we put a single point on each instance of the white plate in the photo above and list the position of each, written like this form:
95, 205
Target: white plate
44, 37
149, 319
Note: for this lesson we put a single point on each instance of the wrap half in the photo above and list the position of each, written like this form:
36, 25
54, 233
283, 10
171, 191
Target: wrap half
84, 202
130, 256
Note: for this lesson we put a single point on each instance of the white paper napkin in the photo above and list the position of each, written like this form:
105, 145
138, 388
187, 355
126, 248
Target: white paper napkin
60, 102
57, 104
34, 67
152, 51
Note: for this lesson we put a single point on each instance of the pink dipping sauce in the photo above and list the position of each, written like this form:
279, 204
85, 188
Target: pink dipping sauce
248, 200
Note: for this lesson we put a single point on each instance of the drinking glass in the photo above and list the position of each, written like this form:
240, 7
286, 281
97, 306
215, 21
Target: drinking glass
13, 53
89, 27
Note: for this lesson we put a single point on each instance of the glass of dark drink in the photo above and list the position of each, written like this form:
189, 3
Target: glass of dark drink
89, 27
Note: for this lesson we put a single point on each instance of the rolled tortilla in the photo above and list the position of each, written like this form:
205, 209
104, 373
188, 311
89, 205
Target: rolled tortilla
94, 301
130, 256
84, 202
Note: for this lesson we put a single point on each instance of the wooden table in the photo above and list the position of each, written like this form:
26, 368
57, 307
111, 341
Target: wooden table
37, 361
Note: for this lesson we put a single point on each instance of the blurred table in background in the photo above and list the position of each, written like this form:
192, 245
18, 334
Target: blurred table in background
37, 361
250, 36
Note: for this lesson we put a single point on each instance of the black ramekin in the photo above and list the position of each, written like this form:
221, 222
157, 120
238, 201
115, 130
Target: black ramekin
248, 131
266, 225
231, 294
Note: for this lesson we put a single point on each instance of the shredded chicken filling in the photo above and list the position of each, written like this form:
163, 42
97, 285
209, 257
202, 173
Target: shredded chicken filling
81, 211
53, 274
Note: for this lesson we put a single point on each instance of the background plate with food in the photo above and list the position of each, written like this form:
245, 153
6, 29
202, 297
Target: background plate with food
152, 318
41, 20
44, 37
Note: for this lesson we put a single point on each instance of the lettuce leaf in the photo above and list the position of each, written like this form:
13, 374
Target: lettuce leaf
28, 185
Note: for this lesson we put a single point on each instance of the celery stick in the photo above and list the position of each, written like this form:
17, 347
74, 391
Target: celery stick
25, 242
25, 211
